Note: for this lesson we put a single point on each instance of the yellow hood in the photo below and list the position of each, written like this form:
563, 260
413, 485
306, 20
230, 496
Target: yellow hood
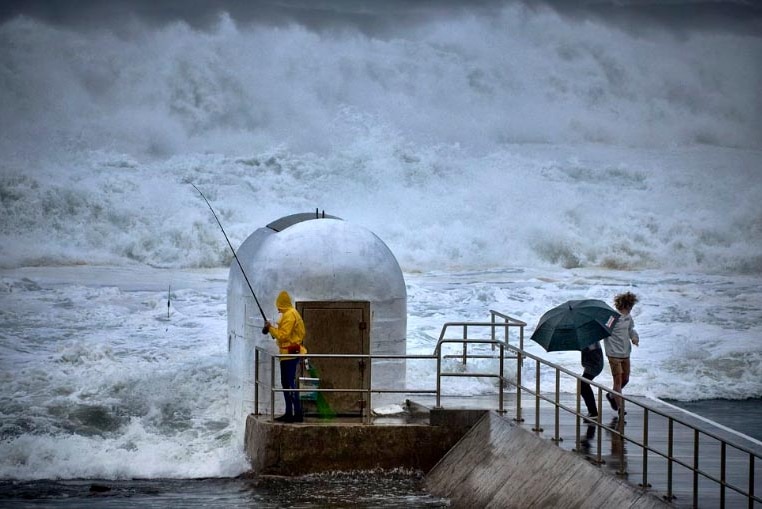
283, 301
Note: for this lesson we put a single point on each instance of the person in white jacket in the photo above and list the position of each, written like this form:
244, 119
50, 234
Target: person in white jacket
619, 345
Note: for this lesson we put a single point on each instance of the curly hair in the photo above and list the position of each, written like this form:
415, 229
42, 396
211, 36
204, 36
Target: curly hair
625, 300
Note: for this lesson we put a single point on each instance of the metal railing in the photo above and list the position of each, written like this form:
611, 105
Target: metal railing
367, 391
619, 430
508, 322
507, 351
493, 325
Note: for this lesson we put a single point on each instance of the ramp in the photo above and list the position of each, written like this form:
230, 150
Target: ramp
498, 464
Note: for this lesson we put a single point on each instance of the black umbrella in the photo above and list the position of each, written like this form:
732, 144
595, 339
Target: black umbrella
575, 325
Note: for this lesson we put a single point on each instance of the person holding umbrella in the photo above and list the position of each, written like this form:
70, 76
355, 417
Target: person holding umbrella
619, 345
592, 363
579, 325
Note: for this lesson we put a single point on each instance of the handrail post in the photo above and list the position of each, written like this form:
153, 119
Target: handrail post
439, 378
492, 329
272, 388
723, 447
537, 427
465, 344
557, 407
599, 456
256, 381
501, 383
695, 466
751, 481
577, 420
521, 344
366, 417
671, 455
645, 484
518, 387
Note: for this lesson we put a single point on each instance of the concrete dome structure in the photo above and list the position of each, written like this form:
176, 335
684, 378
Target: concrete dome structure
335, 272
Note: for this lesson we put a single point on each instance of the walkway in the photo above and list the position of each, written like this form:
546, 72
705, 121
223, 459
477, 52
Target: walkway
627, 459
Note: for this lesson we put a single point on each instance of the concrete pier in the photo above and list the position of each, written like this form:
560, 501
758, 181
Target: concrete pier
413, 441
494, 462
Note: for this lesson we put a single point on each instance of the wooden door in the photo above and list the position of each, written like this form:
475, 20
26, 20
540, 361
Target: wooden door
339, 327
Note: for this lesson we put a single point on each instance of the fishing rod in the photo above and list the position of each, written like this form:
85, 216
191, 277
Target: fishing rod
233, 250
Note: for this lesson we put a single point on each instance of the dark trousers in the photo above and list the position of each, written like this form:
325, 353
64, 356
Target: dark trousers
288, 381
592, 361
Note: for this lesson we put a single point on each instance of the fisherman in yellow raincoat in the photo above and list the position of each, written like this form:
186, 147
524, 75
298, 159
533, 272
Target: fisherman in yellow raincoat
288, 334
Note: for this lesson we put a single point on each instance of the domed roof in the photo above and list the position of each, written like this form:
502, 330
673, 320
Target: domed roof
326, 259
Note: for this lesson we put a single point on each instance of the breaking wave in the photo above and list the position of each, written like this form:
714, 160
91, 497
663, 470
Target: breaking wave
512, 136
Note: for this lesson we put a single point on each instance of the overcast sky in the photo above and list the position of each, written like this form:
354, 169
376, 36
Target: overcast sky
379, 17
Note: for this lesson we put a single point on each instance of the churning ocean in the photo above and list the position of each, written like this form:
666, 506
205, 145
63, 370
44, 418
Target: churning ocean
512, 156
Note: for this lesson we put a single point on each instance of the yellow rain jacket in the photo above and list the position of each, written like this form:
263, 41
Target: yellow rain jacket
290, 330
